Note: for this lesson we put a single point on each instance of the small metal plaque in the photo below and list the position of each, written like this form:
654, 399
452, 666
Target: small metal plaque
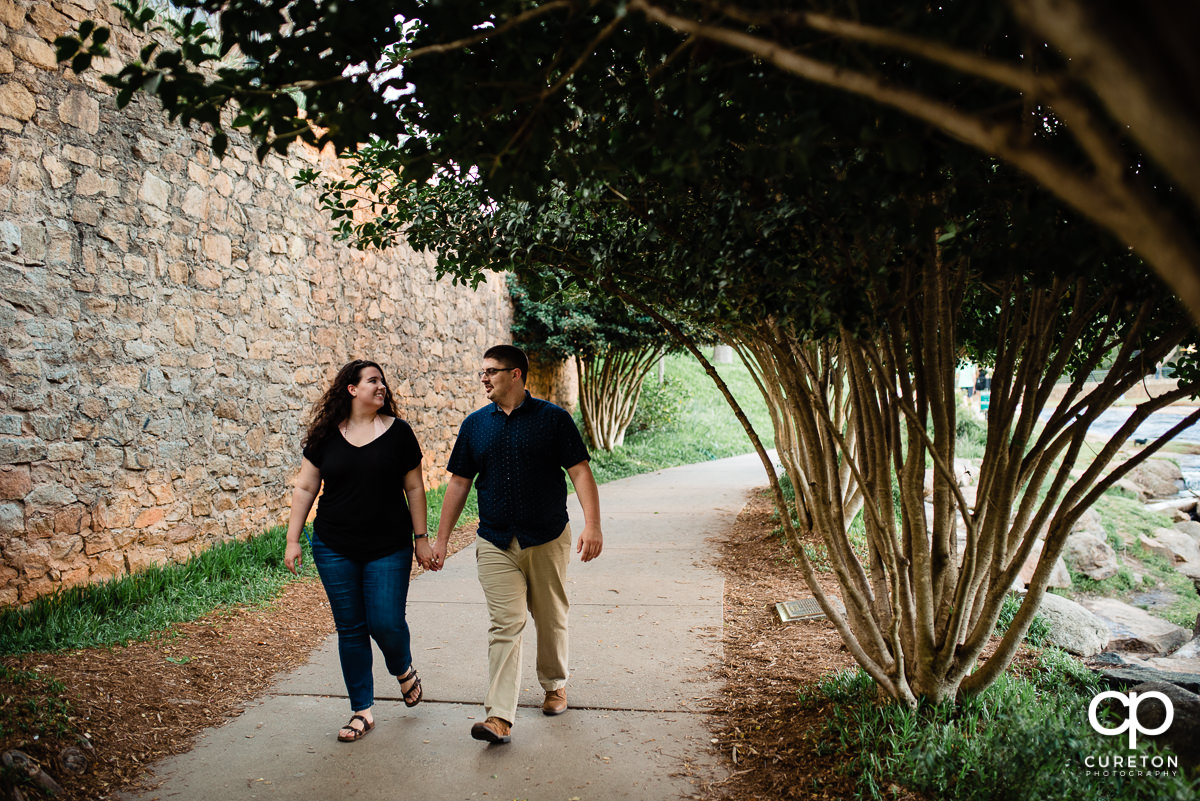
801, 609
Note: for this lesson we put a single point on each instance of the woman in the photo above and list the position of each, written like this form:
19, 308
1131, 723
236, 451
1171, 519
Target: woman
365, 534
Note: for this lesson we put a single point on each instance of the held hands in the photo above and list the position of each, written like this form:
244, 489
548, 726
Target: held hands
431, 557
424, 552
591, 542
293, 558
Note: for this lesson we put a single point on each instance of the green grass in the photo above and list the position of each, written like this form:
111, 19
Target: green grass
433, 506
140, 605
707, 428
1025, 737
1125, 520
146, 604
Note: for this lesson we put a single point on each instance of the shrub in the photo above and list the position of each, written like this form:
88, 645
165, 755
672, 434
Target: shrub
661, 406
1039, 630
1023, 738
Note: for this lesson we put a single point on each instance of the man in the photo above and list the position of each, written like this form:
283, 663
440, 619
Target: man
515, 450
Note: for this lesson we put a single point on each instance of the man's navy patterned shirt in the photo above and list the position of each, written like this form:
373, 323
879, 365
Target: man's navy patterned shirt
519, 459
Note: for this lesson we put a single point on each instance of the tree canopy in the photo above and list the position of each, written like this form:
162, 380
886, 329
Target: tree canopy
613, 346
1095, 101
853, 252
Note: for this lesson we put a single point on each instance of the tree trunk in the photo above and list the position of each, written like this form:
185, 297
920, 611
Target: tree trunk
609, 387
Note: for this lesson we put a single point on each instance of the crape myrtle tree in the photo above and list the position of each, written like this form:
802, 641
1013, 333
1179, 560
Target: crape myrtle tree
1120, 79
603, 167
613, 347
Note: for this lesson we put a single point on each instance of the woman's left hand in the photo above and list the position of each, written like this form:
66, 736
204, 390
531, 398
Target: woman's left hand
424, 553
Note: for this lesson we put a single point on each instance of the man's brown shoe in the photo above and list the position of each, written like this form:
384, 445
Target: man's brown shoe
492, 730
556, 702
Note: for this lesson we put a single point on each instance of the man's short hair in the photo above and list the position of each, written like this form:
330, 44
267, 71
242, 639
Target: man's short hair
509, 356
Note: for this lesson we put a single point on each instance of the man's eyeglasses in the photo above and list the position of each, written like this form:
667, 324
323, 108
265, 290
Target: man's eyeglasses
491, 371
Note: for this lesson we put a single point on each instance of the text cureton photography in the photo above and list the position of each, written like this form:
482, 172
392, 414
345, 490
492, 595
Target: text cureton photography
1134, 764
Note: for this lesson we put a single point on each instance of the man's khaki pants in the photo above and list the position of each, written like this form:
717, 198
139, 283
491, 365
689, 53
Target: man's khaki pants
518, 582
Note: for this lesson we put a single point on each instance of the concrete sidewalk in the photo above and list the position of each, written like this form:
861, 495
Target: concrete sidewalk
645, 632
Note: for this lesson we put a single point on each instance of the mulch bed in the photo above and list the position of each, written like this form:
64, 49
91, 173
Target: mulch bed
138, 703
767, 736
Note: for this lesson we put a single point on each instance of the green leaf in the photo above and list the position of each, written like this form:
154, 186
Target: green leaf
81, 62
86, 27
220, 142
66, 47
100, 37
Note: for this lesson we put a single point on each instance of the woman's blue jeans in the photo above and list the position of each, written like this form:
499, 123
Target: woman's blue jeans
368, 600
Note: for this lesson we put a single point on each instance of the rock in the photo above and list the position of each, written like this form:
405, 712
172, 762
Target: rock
1123, 678
1171, 505
1189, 650
1158, 478
1180, 550
1183, 735
966, 474
1133, 629
1184, 660
1089, 522
1135, 490
1091, 556
1072, 627
1189, 527
1059, 576
1105, 659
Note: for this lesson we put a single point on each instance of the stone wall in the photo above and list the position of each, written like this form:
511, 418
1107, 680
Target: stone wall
556, 380
167, 319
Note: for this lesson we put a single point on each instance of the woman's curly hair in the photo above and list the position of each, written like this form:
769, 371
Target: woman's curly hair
334, 405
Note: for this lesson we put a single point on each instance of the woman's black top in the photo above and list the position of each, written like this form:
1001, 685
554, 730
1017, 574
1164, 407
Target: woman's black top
363, 513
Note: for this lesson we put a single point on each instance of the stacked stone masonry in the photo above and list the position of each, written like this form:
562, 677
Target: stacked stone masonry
167, 320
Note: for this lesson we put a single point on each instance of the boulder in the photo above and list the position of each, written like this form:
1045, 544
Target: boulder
1073, 628
1158, 478
966, 472
965, 475
1091, 556
1172, 505
1189, 527
1183, 735
1133, 629
1059, 576
1134, 490
1089, 522
1185, 659
1128, 676
1180, 550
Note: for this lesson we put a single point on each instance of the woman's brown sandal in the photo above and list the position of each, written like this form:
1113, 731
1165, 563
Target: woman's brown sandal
358, 734
412, 696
